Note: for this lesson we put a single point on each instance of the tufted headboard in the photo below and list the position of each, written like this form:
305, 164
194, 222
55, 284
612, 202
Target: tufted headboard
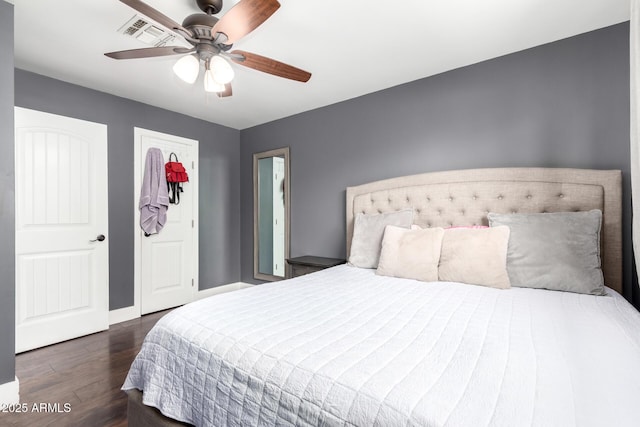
465, 197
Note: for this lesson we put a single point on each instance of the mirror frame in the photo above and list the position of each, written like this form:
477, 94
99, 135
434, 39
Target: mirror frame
279, 152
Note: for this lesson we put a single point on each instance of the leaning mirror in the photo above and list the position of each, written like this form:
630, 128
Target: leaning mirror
271, 214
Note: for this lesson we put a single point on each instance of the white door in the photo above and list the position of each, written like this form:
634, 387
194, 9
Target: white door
62, 270
167, 265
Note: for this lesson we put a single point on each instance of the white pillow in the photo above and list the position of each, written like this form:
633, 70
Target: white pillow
367, 235
410, 254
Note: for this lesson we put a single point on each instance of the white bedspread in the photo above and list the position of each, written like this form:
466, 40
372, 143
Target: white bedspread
347, 347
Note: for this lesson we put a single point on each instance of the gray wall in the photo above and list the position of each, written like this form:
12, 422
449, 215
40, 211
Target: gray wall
219, 175
7, 199
565, 104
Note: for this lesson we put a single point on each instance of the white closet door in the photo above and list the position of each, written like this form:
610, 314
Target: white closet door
62, 269
168, 261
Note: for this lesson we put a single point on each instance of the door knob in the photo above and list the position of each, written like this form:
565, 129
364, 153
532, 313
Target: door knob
100, 238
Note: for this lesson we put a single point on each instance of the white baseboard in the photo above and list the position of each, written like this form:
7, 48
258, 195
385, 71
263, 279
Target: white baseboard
123, 314
221, 289
10, 392
133, 312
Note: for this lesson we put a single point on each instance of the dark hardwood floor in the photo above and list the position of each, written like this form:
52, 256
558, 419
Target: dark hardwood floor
85, 374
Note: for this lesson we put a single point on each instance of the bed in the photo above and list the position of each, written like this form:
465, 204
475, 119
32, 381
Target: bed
347, 346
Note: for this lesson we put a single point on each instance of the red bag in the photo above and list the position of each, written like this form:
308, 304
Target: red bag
176, 174
175, 171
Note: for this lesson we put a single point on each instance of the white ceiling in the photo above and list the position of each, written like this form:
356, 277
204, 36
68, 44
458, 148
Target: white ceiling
352, 47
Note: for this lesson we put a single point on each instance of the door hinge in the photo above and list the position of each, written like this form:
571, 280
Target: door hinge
193, 223
193, 164
192, 282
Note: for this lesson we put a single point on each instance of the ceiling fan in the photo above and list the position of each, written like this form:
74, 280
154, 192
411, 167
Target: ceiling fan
212, 39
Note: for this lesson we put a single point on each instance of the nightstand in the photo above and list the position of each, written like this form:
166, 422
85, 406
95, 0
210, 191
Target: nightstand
310, 264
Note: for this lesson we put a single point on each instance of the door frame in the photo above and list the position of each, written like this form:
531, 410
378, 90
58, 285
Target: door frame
138, 133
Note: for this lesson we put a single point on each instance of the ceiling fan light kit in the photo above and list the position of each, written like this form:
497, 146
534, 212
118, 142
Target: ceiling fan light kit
211, 38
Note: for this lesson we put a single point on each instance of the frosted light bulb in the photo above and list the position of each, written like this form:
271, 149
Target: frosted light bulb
187, 68
221, 69
210, 84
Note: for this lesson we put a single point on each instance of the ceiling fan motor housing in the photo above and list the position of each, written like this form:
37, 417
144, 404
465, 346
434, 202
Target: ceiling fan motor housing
200, 24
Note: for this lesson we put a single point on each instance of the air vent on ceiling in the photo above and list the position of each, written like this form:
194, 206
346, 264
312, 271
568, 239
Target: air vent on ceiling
142, 29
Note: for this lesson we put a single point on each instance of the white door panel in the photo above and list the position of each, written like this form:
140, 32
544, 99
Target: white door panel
168, 260
62, 288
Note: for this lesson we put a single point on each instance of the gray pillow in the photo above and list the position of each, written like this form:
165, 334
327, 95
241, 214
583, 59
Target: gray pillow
367, 235
558, 251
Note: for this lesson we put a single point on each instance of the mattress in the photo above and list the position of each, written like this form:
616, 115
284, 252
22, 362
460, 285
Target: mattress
345, 346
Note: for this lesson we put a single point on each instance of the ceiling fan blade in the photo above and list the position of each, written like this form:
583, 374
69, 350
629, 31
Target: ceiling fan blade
154, 14
226, 92
148, 52
268, 65
243, 18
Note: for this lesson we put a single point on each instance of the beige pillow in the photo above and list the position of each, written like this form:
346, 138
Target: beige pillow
475, 256
410, 253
